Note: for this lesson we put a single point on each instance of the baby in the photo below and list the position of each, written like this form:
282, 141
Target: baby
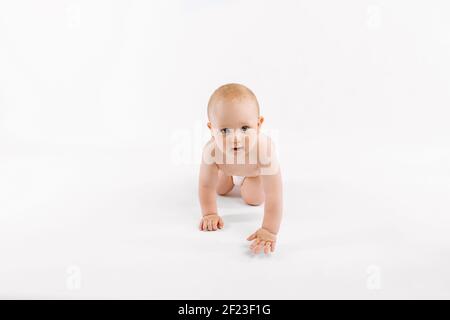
238, 154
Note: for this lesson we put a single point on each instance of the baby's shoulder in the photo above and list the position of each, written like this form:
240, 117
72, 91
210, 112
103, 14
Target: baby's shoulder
266, 144
208, 153
267, 155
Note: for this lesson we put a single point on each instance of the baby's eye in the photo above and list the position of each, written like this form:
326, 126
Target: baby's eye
245, 128
225, 131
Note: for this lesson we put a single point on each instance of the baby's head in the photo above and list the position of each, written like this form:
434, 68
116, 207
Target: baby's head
234, 120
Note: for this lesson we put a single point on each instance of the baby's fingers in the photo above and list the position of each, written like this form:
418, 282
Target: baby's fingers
252, 236
204, 225
254, 244
259, 246
220, 223
267, 247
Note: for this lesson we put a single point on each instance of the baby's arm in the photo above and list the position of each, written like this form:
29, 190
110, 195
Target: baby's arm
265, 237
207, 194
273, 202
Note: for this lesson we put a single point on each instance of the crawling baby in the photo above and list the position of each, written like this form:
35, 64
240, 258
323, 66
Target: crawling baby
239, 154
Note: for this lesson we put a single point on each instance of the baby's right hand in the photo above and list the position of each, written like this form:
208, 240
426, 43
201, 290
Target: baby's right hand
211, 222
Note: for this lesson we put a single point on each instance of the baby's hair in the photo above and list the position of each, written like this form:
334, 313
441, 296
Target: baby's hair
231, 91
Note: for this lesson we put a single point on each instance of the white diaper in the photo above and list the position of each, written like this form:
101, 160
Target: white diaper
237, 180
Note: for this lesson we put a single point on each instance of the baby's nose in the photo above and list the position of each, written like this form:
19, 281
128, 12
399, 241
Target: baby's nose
237, 137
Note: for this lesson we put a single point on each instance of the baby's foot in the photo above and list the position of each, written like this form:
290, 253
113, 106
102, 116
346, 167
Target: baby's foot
211, 222
263, 239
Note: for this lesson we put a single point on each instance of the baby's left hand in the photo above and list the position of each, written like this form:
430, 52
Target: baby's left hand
262, 239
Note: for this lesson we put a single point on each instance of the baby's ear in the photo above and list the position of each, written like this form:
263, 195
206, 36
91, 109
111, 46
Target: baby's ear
260, 121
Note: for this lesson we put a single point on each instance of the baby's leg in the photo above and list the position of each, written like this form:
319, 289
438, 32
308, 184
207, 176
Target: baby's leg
252, 191
224, 184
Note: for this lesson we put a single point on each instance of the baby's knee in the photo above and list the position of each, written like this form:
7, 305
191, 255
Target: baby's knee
223, 190
253, 201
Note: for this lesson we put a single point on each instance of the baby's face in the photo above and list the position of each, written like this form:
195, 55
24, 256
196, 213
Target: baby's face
235, 125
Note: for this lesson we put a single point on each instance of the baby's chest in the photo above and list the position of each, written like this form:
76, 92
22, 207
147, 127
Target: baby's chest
239, 170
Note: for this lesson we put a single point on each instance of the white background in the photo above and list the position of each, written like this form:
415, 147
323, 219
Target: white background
103, 115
